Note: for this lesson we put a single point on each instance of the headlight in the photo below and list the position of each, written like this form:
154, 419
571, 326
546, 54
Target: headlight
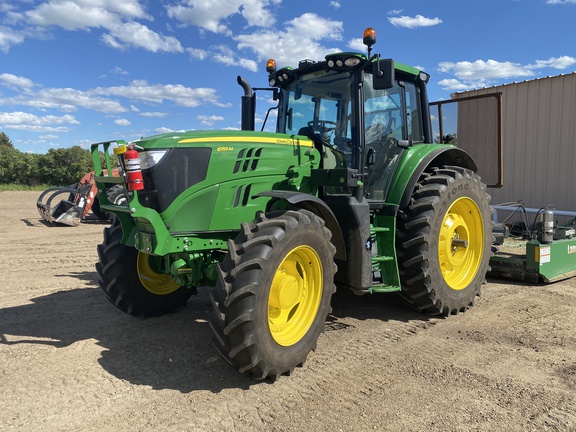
352, 61
150, 158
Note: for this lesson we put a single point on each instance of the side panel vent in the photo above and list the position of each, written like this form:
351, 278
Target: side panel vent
242, 196
247, 160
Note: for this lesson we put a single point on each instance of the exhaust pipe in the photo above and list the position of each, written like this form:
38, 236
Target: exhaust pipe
248, 104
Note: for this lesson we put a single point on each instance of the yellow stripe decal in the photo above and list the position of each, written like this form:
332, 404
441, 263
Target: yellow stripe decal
280, 141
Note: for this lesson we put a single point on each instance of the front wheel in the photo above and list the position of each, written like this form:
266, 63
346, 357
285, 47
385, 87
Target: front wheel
116, 195
444, 241
273, 293
97, 210
130, 281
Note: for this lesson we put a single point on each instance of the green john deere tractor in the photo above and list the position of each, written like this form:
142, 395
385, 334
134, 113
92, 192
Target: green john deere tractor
349, 192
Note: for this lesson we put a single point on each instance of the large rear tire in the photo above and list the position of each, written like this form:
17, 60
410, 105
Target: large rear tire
444, 241
273, 293
130, 282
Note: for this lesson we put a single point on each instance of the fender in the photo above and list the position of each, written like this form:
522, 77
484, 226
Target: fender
316, 206
415, 161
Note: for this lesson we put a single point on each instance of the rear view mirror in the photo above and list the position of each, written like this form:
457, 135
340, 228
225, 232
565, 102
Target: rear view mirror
383, 74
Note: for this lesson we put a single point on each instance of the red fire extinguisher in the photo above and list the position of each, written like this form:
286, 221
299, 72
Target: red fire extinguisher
133, 170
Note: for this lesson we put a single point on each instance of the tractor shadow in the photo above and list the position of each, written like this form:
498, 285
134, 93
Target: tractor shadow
95, 220
384, 306
88, 220
170, 352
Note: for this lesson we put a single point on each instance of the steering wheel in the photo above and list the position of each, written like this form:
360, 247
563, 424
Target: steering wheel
320, 125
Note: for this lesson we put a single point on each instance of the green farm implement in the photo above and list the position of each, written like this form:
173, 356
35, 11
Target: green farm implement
544, 251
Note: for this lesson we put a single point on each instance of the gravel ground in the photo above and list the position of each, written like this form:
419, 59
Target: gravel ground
69, 361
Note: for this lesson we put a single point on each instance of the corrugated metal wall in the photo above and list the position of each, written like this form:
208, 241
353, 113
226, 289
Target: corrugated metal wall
539, 127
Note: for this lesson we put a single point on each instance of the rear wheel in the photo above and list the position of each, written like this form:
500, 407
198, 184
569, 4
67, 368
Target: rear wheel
444, 241
273, 293
130, 281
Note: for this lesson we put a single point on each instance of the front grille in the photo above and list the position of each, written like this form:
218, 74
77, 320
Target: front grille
179, 170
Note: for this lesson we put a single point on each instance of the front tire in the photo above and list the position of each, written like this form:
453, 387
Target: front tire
130, 282
444, 241
97, 210
116, 195
273, 293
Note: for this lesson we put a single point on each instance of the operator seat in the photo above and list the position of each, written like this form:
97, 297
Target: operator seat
329, 158
381, 139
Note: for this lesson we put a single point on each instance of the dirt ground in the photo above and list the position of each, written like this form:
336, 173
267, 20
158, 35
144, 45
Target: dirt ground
69, 361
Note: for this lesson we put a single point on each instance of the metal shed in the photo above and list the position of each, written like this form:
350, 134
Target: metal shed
539, 141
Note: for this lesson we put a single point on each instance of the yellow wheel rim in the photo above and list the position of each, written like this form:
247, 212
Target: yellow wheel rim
461, 243
295, 295
156, 283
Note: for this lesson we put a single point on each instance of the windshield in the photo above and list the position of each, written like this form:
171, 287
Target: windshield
319, 107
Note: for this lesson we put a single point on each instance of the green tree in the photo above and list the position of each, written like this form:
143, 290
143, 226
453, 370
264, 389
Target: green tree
11, 161
5, 141
59, 167
62, 167
30, 169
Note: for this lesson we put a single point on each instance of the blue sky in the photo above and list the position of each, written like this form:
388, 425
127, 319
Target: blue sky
73, 72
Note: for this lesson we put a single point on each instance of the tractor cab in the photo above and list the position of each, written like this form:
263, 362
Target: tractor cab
361, 113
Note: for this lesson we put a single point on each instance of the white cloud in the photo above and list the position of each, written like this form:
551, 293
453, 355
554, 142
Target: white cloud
153, 114
357, 45
9, 37
481, 69
68, 99
133, 34
197, 54
63, 100
224, 55
162, 130
256, 12
158, 93
209, 120
70, 15
300, 40
119, 71
414, 22
395, 12
105, 99
454, 85
335, 4
15, 82
561, 2
117, 18
31, 122
122, 122
211, 14
482, 73
228, 57
556, 63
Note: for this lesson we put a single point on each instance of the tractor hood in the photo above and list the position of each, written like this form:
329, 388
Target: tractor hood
215, 139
